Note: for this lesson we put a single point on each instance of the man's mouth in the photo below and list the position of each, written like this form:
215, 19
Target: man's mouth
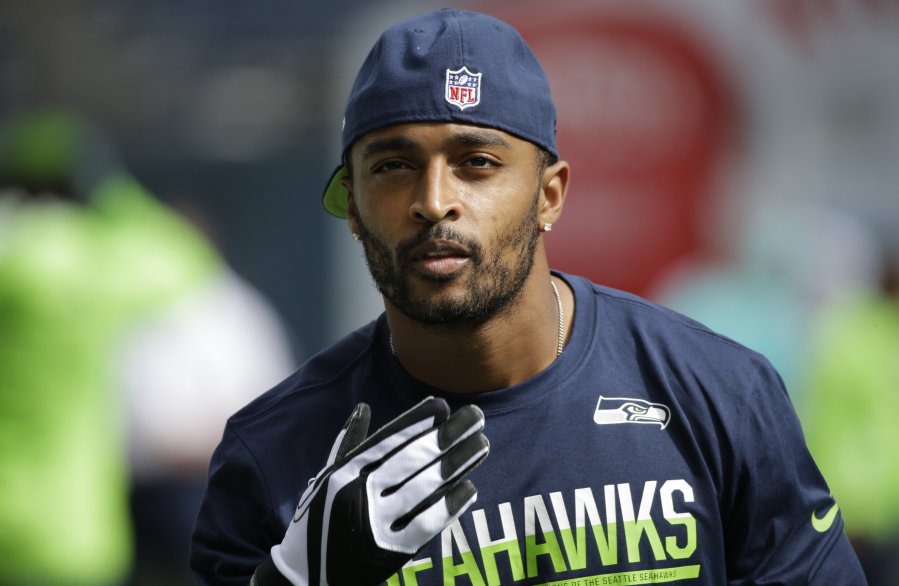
439, 257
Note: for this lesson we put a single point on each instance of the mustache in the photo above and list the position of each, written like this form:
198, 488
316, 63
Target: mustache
440, 232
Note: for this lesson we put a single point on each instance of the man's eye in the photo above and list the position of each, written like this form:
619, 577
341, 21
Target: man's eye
389, 166
480, 161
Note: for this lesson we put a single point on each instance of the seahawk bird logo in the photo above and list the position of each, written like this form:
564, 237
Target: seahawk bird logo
610, 410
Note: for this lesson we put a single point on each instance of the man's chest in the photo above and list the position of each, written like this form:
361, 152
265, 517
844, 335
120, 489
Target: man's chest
564, 501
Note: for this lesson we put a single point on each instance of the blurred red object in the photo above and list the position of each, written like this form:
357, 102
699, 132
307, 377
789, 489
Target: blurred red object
643, 115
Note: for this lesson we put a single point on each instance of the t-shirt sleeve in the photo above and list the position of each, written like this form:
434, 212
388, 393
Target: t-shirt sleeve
234, 530
784, 526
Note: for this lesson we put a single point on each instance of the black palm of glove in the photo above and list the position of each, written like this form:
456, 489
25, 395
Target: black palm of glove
379, 500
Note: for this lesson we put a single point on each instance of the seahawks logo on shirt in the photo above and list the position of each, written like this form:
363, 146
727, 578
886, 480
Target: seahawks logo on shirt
611, 410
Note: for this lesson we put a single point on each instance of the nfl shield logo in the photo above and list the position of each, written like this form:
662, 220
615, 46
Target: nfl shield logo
463, 88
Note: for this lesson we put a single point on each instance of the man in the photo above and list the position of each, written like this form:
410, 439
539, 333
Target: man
628, 443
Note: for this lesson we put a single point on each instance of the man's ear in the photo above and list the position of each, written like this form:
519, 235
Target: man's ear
553, 192
351, 214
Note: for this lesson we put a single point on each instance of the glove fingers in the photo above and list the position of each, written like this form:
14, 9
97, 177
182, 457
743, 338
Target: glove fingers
400, 466
464, 457
435, 513
353, 433
415, 492
460, 497
463, 423
401, 503
406, 426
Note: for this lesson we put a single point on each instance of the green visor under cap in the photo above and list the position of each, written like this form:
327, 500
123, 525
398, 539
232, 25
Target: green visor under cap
335, 197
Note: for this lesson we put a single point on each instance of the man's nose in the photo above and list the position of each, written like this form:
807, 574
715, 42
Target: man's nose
436, 196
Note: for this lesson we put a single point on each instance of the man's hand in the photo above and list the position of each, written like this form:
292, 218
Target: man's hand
379, 500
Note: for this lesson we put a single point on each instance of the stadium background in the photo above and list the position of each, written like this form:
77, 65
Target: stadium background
736, 160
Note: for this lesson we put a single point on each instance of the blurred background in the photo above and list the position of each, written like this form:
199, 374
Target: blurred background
162, 166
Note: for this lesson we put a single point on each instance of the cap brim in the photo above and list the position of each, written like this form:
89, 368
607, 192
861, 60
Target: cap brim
335, 197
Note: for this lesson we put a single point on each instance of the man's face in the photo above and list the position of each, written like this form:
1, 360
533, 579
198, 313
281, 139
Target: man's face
447, 215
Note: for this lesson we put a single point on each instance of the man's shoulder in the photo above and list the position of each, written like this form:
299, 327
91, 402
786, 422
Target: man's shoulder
627, 315
314, 384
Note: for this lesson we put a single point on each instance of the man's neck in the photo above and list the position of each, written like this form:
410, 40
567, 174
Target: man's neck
509, 348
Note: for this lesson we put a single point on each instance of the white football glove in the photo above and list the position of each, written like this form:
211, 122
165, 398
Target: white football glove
379, 500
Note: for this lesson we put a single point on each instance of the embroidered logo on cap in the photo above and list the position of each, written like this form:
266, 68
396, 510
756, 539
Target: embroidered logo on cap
463, 88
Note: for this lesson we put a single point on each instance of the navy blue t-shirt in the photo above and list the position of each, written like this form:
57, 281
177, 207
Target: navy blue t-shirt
652, 450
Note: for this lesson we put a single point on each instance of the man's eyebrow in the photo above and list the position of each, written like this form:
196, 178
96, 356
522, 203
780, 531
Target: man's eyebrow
485, 138
478, 138
393, 143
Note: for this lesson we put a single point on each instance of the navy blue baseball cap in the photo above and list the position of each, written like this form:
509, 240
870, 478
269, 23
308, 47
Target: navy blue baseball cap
447, 66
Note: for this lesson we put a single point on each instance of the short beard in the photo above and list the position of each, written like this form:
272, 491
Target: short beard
493, 284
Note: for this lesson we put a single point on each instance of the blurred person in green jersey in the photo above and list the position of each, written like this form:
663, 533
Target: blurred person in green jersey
852, 397
86, 253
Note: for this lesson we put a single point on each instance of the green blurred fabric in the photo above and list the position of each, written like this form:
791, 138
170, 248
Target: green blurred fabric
849, 415
73, 278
